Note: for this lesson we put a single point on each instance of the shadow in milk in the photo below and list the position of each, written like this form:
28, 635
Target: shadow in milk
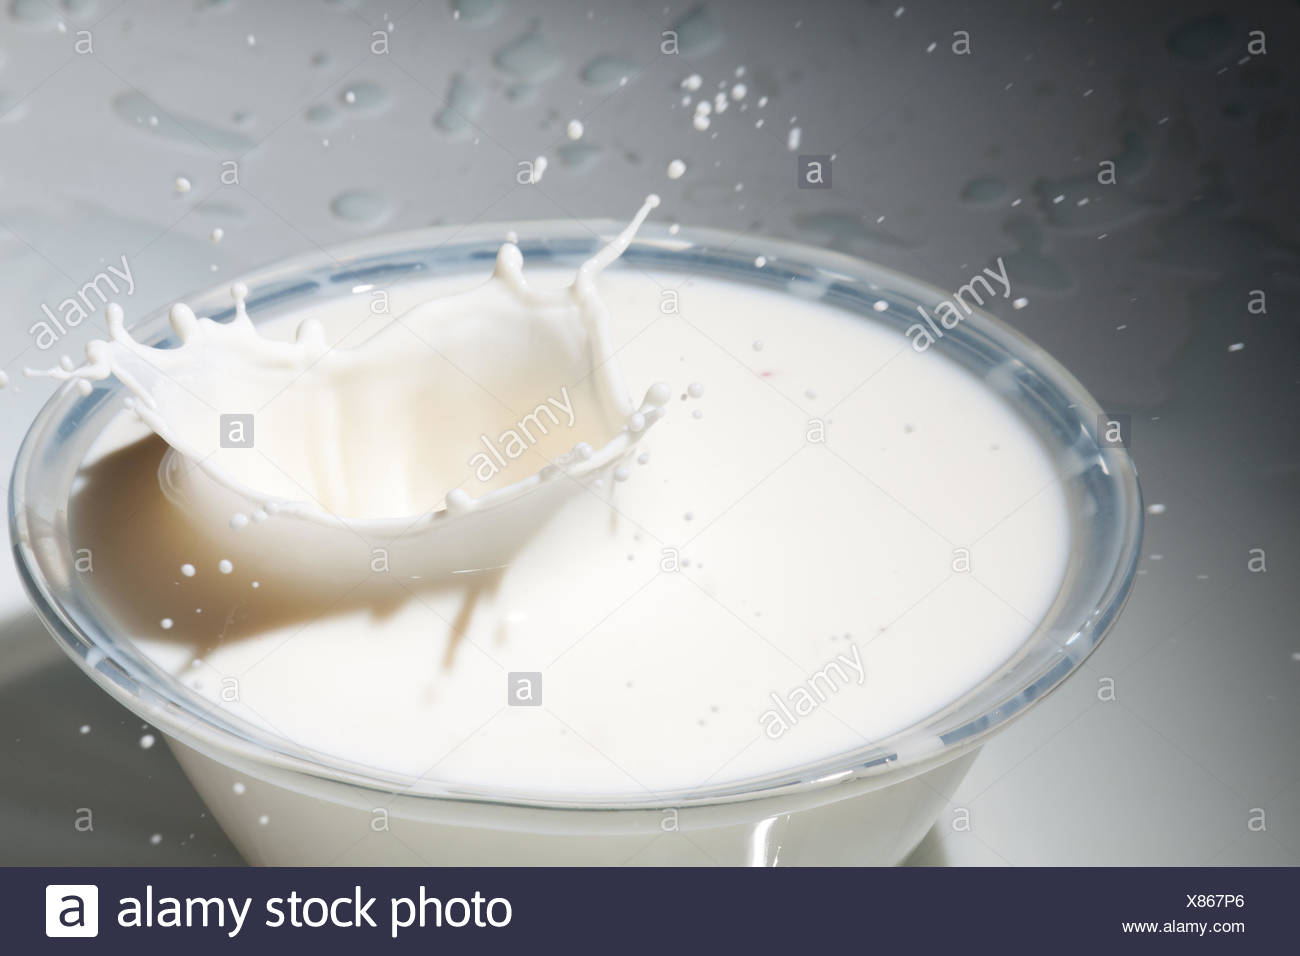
135, 542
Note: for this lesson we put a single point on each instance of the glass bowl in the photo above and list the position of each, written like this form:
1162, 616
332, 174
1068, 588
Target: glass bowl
870, 806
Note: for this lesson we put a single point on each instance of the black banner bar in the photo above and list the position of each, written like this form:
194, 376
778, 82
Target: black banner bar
956, 911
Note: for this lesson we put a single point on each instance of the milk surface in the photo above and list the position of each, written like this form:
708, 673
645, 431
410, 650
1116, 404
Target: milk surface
828, 537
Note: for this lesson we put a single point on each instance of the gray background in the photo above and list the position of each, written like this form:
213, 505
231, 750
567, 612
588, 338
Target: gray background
943, 162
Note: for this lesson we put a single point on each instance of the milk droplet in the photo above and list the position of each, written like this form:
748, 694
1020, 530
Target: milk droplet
84, 729
166, 623
675, 169
1236, 346
1020, 303
695, 389
238, 787
264, 819
238, 521
758, 345
1156, 509
182, 185
760, 261
224, 566
793, 138
147, 741
621, 473
156, 839
692, 82
697, 414
218, 234
575, 129
187, 570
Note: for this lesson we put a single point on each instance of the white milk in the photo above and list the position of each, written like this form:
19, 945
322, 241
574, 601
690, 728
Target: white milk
824, 540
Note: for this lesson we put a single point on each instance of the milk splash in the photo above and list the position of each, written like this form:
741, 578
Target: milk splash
374, 439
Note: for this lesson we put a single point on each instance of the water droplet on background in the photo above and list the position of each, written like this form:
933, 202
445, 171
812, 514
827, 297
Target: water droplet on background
139, 111
528, 57
465, 101
362, 206
605, 73
985, 189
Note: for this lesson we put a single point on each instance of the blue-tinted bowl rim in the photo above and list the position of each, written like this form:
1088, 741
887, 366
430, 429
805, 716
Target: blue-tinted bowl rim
837, 279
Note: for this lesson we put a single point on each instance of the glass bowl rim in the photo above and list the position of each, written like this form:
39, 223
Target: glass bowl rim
161, 699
